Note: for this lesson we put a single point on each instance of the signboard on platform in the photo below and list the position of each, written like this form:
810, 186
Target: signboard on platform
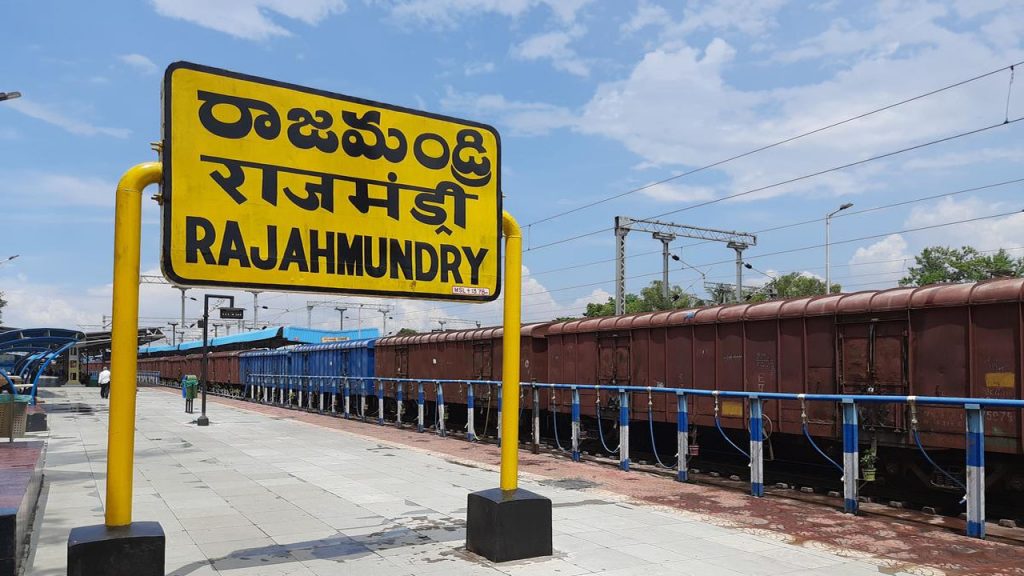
275, 186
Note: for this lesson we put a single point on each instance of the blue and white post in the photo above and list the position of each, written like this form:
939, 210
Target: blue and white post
399, 399
362, 398
575, 424
536, 419
380, 403
499, 414
348, 400
323, 392
299, 378
756, 445
682, 437
623, 429
470, 409
419, 407
440, 408
851, 456
975, 471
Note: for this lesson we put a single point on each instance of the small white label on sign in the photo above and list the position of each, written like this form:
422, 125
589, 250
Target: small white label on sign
470, 291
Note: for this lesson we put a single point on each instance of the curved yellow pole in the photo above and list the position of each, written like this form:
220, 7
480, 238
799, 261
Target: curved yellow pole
510, 353
124, 345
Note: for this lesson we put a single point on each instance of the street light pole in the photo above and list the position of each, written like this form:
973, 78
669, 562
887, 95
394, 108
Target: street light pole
174, 326
828, 239
203, 420
341, 318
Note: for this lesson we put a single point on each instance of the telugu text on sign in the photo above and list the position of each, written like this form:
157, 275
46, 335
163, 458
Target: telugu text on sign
274, 186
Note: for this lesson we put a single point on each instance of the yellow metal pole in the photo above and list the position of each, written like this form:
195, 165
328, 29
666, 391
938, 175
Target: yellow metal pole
510, 354
124, 340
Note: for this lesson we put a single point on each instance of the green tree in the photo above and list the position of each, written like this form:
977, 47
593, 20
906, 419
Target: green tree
406, 332
650, 299
796, 285
937, 264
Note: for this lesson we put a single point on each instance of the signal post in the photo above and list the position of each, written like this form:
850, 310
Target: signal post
271, 186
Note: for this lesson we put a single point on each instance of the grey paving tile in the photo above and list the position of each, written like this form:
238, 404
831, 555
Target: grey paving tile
259, 495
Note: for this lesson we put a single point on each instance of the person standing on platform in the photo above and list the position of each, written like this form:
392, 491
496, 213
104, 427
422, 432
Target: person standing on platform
104, 382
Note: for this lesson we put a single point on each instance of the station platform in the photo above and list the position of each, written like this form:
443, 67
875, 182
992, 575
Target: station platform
270, 491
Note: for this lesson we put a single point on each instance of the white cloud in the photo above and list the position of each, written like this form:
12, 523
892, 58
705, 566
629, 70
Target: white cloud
523, 118
447, 12
139, 62
49, 115
669, 192
878, 265
749, 17
955, 160
646, 14
36, 189
554, 46
477, 68
989, 234
249, 19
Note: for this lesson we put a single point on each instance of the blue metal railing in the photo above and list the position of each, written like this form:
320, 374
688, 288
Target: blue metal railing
266, 386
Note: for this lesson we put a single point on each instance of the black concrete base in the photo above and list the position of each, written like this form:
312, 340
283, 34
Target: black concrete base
133, 550
203, 420
503, 526
35, 422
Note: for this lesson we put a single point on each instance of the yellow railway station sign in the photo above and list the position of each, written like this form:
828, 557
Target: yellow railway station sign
280, 187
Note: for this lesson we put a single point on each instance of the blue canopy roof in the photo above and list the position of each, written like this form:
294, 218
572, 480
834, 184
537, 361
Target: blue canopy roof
363, 343
272, 336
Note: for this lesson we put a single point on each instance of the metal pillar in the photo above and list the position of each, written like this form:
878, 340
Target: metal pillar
536, 419
255, 310
500, 423
380, 403
756, 443
620, 268
362, 399
739, 247
440, 409
851, 457
665, 240
399, 398
623, 429
182, 311
341, 318
348, 401
682, 437
419, 407
575, 425
975, 471
470, 409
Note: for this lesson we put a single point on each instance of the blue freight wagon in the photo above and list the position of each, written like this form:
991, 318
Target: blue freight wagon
310, 376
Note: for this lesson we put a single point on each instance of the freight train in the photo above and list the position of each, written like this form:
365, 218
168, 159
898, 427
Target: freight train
962, 340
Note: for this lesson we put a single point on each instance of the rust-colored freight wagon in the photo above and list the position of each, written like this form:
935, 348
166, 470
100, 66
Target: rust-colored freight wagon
944, 340
460, 355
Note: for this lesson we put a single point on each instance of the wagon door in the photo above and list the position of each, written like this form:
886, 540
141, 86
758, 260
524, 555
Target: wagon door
482, 363
402, 362
873, 360
613, 360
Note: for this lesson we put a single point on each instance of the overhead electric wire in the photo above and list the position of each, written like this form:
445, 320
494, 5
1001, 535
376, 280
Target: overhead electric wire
861, 116
795, 224
794, 179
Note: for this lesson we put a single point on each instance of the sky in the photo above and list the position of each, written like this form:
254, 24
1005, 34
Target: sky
593, 100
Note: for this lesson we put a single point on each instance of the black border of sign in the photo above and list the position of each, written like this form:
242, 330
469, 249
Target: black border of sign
167, 204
